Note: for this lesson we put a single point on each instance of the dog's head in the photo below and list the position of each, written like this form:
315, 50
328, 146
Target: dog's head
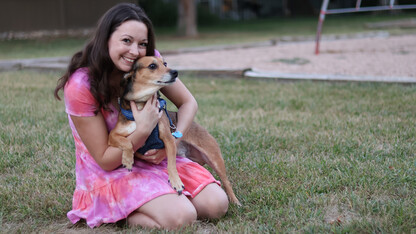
149, 74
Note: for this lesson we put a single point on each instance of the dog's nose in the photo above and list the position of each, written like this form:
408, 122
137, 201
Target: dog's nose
174, 73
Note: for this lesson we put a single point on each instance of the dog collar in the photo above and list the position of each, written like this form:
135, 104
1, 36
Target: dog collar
127, 113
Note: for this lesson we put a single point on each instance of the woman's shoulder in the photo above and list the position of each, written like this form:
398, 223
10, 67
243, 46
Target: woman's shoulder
79, 77
78, 84
157, 53
78, 98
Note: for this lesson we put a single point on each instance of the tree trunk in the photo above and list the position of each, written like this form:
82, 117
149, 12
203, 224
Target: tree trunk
285, 7
300, 7
187, 25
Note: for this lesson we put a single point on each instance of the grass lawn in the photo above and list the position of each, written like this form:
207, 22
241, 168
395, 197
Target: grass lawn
303, 156
223, 33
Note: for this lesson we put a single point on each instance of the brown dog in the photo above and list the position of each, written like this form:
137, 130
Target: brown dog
148, 76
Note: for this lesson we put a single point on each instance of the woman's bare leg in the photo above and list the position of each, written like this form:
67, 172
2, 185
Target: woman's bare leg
168, 211
211, 202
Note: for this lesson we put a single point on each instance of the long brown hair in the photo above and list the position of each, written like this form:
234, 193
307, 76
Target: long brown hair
95, 54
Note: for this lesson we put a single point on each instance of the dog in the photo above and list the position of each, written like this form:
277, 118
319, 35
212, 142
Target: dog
148, 75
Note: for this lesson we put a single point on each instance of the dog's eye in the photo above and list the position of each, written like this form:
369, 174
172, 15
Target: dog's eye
152, 66
165, 63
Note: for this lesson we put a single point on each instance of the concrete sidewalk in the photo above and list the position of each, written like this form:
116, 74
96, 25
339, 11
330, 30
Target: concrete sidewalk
40, 64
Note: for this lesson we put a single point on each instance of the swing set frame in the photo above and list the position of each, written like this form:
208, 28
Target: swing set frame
325, 11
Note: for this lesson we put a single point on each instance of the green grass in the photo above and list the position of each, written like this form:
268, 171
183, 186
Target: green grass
20, 49
224, 33
302, 157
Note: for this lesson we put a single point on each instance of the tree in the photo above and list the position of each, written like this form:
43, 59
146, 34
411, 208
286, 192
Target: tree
187, 21
298, 7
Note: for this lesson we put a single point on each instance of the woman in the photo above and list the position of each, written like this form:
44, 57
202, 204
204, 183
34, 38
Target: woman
106, 192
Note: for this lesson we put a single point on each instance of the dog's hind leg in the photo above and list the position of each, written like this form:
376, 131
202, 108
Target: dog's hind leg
210, 154
201, 147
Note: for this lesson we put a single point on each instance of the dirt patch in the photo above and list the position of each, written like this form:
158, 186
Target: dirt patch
388, 56
338, 216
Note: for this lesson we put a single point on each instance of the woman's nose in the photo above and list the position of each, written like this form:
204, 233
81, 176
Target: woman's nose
134, 50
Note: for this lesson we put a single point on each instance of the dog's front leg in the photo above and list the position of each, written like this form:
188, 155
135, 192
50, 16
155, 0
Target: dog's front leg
170, 148
125, 145
118, 138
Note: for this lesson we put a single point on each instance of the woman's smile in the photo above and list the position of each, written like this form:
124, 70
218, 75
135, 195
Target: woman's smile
128, 60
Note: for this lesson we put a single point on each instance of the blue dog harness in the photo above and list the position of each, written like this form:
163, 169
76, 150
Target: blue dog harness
153, 141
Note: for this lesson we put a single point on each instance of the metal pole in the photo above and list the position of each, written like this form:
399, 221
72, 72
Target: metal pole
371, 8
324, 7
358, 8
358, 4
391, 3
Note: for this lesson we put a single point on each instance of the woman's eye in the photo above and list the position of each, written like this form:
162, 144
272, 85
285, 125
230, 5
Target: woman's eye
126, 40
165, 63
143, 45
152, 66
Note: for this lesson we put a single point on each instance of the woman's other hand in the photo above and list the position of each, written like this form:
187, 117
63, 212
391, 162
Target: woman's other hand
154, 156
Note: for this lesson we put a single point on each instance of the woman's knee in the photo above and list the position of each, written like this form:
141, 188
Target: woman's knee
217, 207
178, 218
170, 211
211, 202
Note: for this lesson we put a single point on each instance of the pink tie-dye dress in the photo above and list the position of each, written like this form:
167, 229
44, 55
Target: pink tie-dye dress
107, 197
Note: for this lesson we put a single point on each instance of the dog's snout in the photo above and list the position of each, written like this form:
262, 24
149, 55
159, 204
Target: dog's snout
173, 73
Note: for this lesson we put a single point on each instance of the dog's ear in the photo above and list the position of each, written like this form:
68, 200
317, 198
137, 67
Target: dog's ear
128, 75
138, 65
127, 78
126, 83
131, 73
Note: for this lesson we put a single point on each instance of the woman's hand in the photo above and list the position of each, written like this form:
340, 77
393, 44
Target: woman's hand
149, 116
154, 156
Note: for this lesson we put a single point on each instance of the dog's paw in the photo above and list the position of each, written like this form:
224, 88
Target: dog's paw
127, 164
177, 185
129, 168
179, 191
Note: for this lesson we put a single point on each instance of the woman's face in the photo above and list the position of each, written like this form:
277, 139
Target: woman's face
128, 43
